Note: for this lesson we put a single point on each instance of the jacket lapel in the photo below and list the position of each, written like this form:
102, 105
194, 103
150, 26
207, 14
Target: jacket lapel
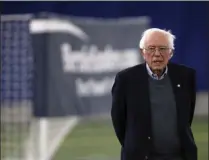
176, 83
141, 90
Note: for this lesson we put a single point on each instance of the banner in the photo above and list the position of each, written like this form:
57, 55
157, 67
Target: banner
77, 60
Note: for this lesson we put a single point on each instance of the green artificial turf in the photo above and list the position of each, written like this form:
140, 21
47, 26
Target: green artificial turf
95, 140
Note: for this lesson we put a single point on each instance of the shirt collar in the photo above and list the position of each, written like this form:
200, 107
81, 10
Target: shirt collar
154, 76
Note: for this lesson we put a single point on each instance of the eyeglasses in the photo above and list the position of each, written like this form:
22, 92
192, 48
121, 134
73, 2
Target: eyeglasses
161, 50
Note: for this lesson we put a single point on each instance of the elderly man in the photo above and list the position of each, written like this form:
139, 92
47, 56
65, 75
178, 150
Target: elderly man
153, 104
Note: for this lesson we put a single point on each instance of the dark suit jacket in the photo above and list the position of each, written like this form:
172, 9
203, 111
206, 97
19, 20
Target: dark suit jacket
131, 114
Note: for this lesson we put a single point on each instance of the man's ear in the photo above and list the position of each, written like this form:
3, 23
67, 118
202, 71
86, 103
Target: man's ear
141, 52
171, 54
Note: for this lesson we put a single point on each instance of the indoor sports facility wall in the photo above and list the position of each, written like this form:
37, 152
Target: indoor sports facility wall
187, 20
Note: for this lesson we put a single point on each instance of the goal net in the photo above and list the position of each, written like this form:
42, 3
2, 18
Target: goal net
23, 136
16, 83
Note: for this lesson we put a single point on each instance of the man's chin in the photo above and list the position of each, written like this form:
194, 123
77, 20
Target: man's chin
157, 67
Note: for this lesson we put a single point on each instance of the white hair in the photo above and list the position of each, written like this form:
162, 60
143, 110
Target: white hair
147, 32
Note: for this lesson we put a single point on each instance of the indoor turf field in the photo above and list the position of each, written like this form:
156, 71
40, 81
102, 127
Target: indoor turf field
95, 140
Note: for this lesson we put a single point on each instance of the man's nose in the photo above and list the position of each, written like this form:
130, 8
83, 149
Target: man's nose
157, 53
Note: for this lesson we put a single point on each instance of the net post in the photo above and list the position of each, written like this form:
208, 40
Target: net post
43, 139
29, 155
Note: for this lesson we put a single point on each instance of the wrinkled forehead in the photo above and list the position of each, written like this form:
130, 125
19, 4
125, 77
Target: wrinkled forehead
157, 39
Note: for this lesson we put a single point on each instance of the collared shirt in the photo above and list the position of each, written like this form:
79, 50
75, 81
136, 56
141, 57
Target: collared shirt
154, 76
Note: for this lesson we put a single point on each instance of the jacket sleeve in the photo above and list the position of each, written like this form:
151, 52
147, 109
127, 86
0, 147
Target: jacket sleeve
193, 94
118, 110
